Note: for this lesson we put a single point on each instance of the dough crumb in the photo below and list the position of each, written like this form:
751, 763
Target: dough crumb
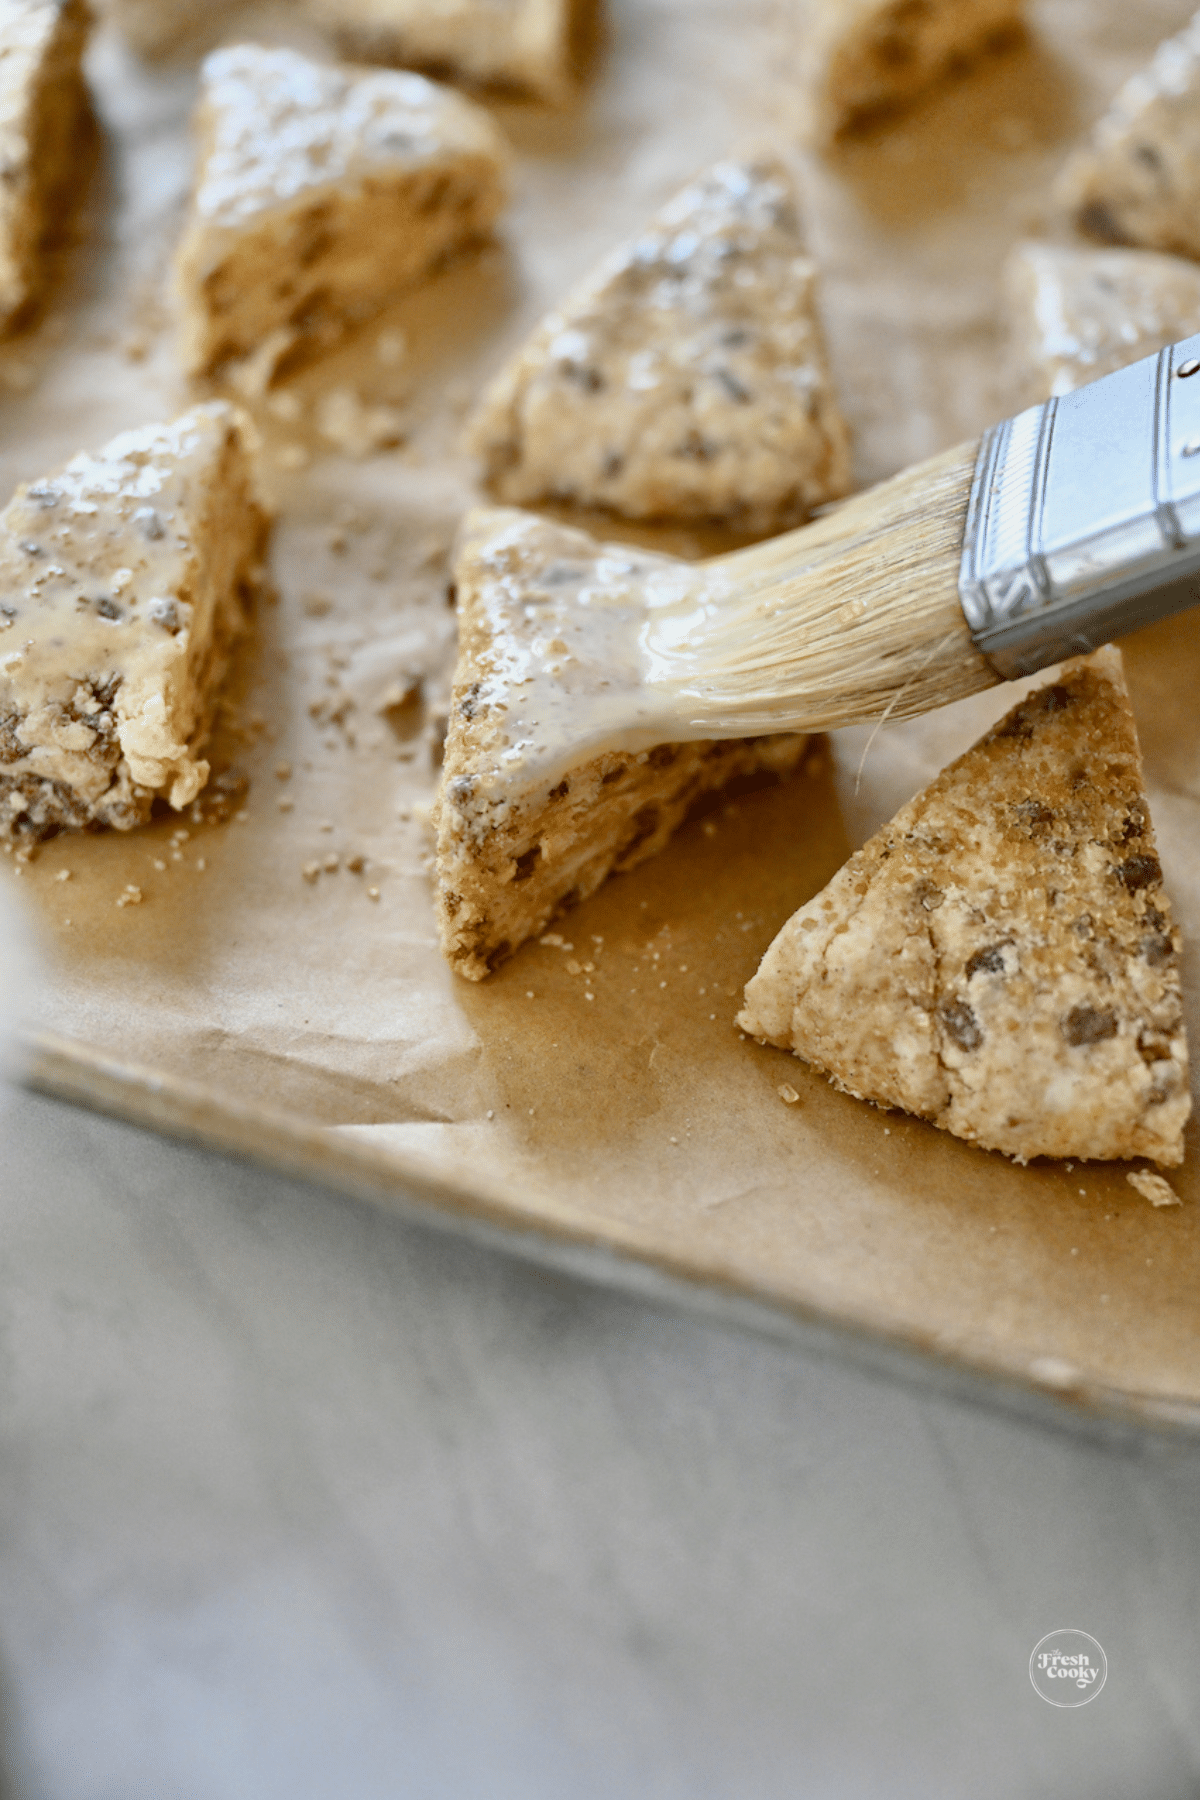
1153, 1188
354, 427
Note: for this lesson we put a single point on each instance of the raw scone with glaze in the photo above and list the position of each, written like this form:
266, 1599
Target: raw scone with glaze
869, 58
520, 46
322, 193
1000, 959
45, 119
527, 822
687, 378
1076, 314
124, 581
1138, 180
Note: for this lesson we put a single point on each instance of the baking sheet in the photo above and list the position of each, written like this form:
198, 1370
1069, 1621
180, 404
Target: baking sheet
637, 1118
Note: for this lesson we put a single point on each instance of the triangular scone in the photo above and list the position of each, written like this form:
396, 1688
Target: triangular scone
1078, 314
1138, 180
868, 58
687, 378
123, 583
546, 615
322, 193
44, 117
518, 46
1000, 959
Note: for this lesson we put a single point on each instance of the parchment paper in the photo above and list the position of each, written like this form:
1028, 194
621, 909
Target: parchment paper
638, 1113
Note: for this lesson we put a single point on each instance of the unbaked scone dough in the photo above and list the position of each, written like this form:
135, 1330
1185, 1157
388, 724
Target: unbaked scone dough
1076, 314
543, 613
523, 46
868, 58
44, 117
322, 193
123, 582
1000, 959
1138, 179
687, 378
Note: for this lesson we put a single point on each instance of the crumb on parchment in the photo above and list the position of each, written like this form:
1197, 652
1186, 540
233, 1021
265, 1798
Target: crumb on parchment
1153, 1188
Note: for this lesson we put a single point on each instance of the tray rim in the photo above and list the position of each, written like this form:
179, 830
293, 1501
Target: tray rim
493, 1215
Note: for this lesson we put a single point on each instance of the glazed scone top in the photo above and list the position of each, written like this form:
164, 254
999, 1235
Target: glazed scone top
279, 125
96, 566
581, 648
560, 672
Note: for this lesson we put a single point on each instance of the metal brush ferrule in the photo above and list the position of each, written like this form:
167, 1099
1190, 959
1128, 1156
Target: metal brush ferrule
1084, 516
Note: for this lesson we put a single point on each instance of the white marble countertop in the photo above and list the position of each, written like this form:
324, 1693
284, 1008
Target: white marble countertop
298, 1500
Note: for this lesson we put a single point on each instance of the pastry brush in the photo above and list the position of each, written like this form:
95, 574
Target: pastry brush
1075, 522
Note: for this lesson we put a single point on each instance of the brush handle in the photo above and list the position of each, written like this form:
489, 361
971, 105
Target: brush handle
1084, 516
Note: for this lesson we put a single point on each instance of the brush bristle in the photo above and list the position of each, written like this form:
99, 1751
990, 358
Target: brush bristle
851, 618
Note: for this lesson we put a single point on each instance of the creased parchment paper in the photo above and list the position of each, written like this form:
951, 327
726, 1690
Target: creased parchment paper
618, 1101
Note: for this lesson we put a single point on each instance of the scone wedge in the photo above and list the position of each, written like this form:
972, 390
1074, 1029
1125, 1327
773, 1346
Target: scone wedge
523, 833
45, 119
322, 193
124, 581
524, 47
1000, 959
869, 58
1138, 179
1076, 314
687, 378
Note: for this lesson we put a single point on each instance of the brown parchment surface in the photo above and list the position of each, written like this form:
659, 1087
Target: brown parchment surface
638, 1116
